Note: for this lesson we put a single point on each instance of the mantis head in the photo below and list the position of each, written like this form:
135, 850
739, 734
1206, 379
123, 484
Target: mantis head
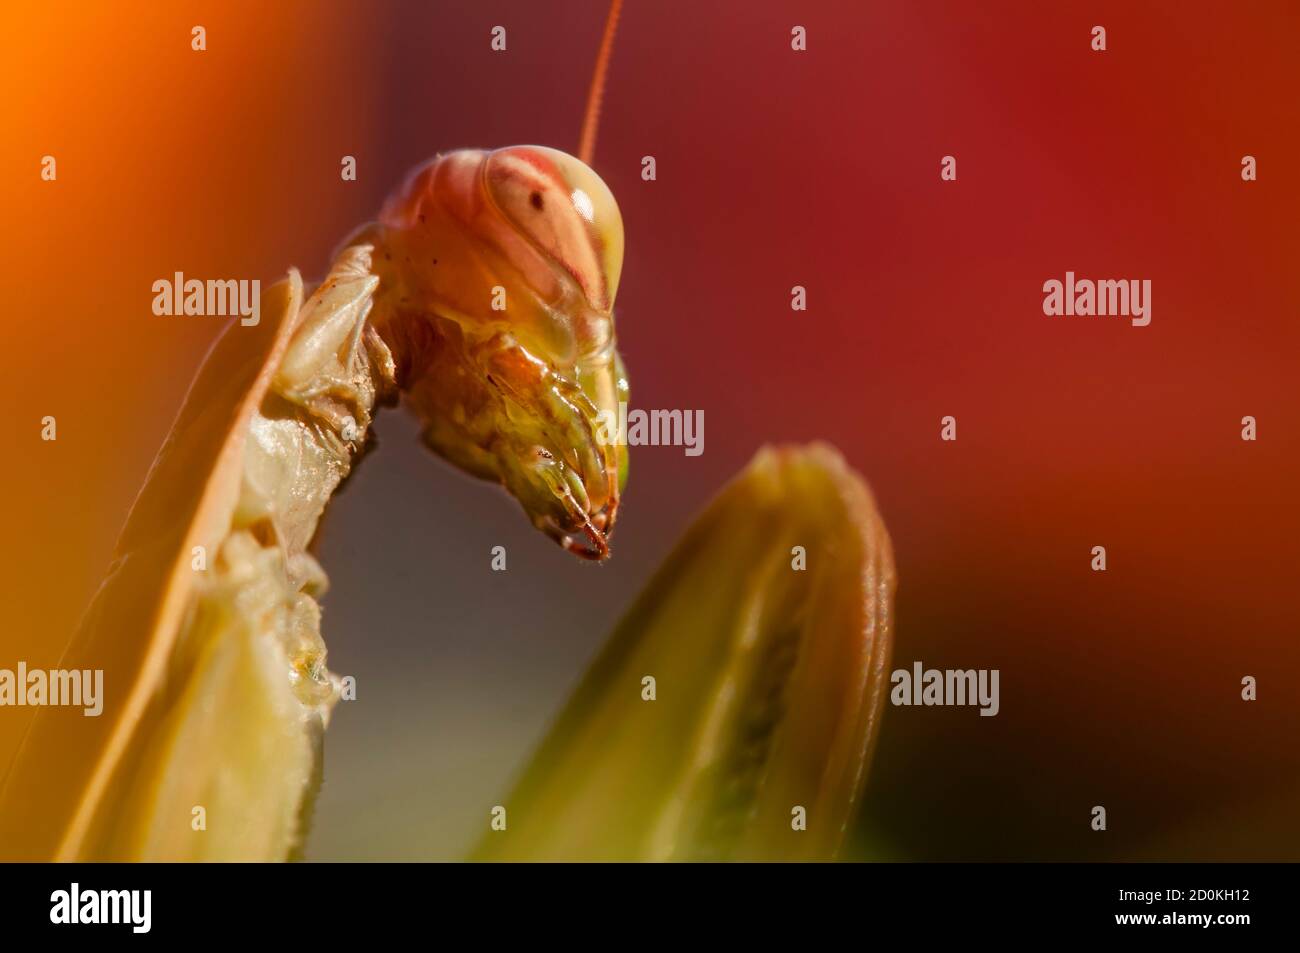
498, 272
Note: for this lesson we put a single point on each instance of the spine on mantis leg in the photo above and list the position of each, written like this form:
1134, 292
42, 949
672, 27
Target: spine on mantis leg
302, 442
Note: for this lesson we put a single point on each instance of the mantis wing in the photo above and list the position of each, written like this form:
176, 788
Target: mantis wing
67, 761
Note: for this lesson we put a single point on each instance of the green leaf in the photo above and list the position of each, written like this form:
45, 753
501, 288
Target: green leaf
768, 684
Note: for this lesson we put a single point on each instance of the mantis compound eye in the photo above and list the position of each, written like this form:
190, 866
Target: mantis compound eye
565, 209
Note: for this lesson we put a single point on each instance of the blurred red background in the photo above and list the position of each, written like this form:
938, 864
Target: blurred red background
775, 168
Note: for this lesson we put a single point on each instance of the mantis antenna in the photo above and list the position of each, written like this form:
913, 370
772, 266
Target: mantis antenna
587, 144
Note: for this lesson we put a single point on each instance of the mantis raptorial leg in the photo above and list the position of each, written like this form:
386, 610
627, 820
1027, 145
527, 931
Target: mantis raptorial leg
252, 614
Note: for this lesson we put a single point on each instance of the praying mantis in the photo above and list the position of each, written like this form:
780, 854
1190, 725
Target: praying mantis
483, 297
